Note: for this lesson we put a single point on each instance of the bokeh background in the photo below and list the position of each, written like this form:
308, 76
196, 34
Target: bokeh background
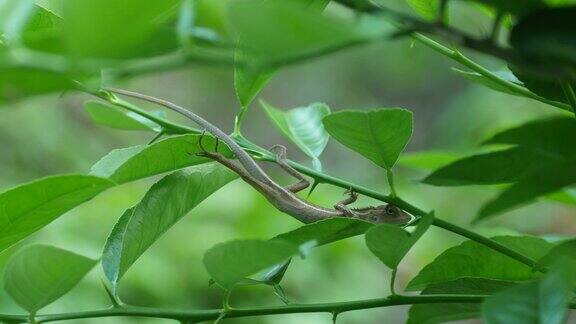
53, 135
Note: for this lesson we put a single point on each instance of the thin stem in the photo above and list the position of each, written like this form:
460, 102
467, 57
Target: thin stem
156, 137
390, 178
460, 58
212, 314
570, 95
393, 281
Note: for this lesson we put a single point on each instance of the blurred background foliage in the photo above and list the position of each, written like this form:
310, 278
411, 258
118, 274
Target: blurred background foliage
53, 134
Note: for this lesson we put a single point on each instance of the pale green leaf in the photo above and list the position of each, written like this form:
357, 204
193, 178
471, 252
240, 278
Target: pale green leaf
37, 275
136, 162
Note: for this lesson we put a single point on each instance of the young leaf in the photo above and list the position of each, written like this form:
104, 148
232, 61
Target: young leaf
108, 115
137, 162
303, 126
551, 178
551, 135
31, 206
391, 243
471, 259
542, 301
379, 135
249, 79
440, 313
326, 231
37, 275
497, 167
164, 204
229, 263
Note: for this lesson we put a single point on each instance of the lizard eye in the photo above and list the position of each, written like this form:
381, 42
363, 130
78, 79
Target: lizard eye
390, 210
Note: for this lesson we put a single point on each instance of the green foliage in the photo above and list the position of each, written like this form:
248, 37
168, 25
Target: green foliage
379, 135
471, 259
229, 263
163, 205
37, 275
326, 231
113, 117
381, 238
29, 207
439, 313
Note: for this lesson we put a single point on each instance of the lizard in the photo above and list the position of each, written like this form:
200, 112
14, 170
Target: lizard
283, 198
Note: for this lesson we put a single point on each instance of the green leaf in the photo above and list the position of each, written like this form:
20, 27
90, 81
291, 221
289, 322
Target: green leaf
542, 301
481, 79
108, 115
391, 243
229, 263
427, 9
325, 231
440, 313
278, 31
540, 85
249, 79
137, 162
551, 135
37, 275
303, 126
164, 204
547, 36
562, 249
427, 160
514, 7
379, 135
551, 178
31, 206
139, 28
19, 82
497, 167
471, 259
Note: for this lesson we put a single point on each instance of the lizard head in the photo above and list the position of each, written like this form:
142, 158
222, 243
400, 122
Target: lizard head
388, 214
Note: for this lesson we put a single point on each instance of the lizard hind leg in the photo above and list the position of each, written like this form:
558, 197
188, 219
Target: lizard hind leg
303, 183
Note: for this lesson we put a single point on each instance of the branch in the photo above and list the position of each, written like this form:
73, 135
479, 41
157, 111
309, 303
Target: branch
211, 314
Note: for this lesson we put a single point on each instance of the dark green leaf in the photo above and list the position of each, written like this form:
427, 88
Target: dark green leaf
440, 313
379, 135
551, 135
542, 301
136, 162
498, 167
326, 231
31, 206
164, 204
391, 243
547, 35
562, 249
21, 82
37, 275
303, 126
471, 259
108, 115
229, 263
551, 178
540, 85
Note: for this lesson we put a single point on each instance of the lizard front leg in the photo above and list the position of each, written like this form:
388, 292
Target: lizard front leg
342, 206
281, 160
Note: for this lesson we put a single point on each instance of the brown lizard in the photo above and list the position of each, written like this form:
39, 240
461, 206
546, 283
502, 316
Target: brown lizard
283, 198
